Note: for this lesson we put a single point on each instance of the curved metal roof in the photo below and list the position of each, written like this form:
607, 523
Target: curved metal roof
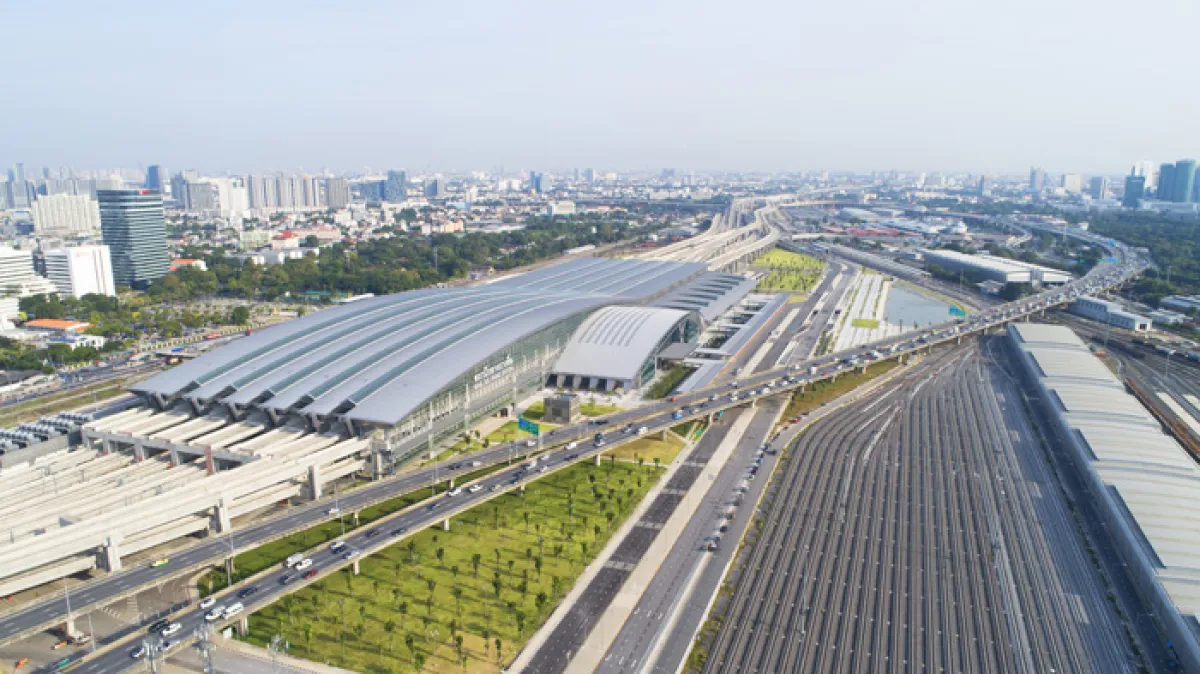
379, 359
615, 341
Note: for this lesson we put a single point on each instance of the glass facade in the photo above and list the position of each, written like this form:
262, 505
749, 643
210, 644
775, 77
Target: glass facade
132, 225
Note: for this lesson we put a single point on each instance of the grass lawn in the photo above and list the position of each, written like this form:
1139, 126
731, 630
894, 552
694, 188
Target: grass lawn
864, 323
695, 428
649, 448
481, 588
825, 391
789, 271
588, 409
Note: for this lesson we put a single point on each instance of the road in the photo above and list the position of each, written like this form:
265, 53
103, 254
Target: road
920, 530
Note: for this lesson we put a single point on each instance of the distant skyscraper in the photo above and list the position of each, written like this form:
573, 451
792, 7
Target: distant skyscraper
80, 271
984, 189
65, 214
539, 182
435, 187
395, 189
1185, 178
1135, 189
369, 190
589, 174
1166, 181
18, 193
337, 192
1098, 187
20, 172
132, 225
1037, 179
1072, 183
156, 178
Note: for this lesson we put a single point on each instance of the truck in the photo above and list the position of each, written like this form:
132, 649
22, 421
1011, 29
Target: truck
293, 560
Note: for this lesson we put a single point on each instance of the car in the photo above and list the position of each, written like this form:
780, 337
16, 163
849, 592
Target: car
286, 578
250, 591
431, 507
542, 469
531, 443
171, 629
399, 531
311, 573
333, 511
159, 563
137, 652
373, 533
336, 546
454, 492
350, 554
166, 645
158, 626
234, 609
215, 614
476, 464
303, 564
572, 445
207, 602
493, 487
474, 488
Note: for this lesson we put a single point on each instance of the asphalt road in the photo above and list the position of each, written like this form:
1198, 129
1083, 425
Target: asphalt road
918, 530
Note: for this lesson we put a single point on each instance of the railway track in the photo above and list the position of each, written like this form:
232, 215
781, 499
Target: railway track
918, 531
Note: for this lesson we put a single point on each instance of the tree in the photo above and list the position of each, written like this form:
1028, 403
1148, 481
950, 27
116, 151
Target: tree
541, 600
441, 556
403, 609
457, 592
499, 647
454, 571
475, 560
537, 564
390, 628
239, 316
412, 647
308, 630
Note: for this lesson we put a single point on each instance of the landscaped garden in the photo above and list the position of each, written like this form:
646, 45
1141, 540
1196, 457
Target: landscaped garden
788, 272
468, 598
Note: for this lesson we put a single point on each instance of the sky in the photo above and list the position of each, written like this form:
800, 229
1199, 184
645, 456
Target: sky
934, 85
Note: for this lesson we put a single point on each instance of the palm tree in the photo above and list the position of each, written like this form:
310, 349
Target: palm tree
454, 571
499, 651
362, 611
308, 629
403, 609
457, 592
541, 600
441, 555
412, 647
537, 564
359, 630
390, 628
420, 661
412, 548
475, 559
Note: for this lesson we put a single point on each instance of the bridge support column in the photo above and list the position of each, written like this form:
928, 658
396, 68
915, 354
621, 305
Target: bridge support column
354, 567
662, 435
230, 569
112, 552
139, 452
446, 522
106, 446
69, 626
354, 516
243, 626
314, 482
595, 461
223, 520
958, 339
862, 370
174, 456
451, 483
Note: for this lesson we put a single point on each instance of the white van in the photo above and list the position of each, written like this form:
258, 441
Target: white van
572, 445
642, 430
234, 609
304, 564
293, 560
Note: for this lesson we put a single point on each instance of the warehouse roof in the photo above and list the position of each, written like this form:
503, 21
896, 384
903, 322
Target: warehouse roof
378, 359
614, 342
1154, 481
709, 295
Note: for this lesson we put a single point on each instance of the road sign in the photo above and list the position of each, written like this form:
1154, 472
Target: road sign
528, 426
957, 311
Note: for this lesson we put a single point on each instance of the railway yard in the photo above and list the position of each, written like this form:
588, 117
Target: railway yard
921, 530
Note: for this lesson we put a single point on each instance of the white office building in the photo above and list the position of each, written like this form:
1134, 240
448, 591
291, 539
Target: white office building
18, 279
65, 214
81, 270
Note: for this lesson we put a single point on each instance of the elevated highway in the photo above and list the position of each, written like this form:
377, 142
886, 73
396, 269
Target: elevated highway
700, 403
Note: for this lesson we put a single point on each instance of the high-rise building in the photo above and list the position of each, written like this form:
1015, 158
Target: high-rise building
589, 174
199, 196
1037, 179
395, 189
65, 214
1098, 187
310, 190
369, 190
262, 191
18, 193
435, 187
1185, 179
984, 189
18, 279
132, 225
1146, 170
156, 178
81, 271
1072, 183
1135, 189
337, 193
1166, 181
539, 182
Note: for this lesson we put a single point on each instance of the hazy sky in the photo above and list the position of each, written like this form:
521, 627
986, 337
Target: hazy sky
988, 85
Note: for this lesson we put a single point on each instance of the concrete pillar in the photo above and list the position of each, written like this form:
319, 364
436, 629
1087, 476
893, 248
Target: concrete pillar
314, 482
210, 464
446, 524
354, 567
139, 452
243, 625
223, 521
106, 446
451, 484
112, 552
69, 626
230, 569
354, 516
662, 435
174, 456
595, 460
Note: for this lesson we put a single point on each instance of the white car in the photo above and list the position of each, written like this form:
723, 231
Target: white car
303, 564
215, 614
474, 488
333, 511
207, 602
454, 492
234, 609
173, 628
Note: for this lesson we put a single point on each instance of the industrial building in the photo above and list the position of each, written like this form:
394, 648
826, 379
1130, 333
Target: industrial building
617, 348
1111, 313
1145, 484
992, 268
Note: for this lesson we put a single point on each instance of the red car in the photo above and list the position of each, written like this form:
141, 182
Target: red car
311, 573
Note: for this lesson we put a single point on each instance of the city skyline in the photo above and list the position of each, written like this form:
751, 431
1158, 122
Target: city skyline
932, 86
